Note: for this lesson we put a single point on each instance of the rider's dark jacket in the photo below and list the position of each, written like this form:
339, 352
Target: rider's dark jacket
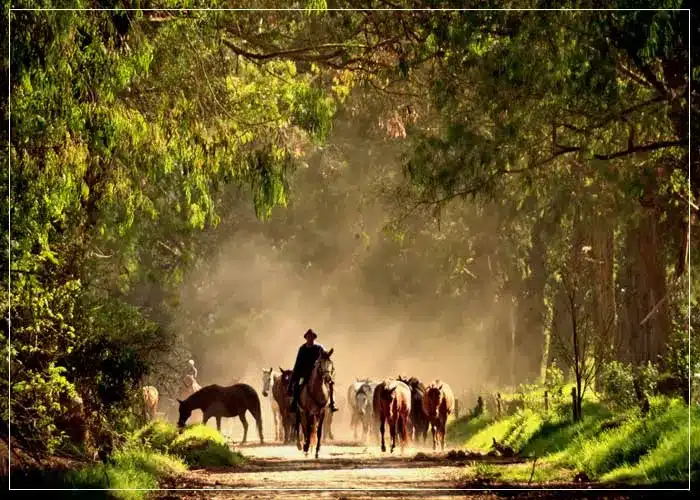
304, 364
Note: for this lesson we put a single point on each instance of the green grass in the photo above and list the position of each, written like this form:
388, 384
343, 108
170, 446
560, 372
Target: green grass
463, 428
153, 452
131, 468
642, 451
197, 445
203, 446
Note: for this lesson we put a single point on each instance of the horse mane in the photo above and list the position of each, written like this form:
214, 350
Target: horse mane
365, 387
413, 383
195, 398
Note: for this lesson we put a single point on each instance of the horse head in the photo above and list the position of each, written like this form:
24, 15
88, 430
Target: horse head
363, 398
432, 399
324, 366
266, 381
184, 414
285, 377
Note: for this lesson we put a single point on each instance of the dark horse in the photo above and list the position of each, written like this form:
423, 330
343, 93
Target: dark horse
419, 424
392, 403
217, 401
314, 401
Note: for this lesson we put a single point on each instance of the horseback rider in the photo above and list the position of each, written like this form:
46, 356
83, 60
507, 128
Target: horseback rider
189, 371
307, 355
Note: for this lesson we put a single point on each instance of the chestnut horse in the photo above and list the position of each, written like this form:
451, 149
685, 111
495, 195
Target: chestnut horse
392, 403
314, 401
217, 401
438, 403
280, 384
150, 401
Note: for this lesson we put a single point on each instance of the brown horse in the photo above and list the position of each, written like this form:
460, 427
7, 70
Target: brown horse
150, 401
283, 401
314, 401
419, 424
217, 401
438, 403
392, 403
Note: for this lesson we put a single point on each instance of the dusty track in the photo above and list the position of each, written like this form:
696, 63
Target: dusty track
349, 467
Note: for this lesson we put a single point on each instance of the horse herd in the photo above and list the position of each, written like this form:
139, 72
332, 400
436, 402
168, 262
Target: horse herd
406, 405
409, 408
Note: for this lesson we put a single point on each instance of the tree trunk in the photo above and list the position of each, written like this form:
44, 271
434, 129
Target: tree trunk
604, 314
645, 286
530, 333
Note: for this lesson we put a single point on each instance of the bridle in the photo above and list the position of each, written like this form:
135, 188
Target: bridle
326, 375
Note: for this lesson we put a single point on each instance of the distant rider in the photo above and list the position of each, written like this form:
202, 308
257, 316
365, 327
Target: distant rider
307, 355
190, 371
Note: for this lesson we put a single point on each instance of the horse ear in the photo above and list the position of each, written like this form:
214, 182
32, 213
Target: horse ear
330, 353
179, 401
440, 387
281, 370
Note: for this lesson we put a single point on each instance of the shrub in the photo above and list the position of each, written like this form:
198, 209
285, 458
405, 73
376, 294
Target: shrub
202, 446
617, 386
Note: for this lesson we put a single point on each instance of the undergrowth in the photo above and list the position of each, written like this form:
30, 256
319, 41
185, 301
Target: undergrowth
150, 454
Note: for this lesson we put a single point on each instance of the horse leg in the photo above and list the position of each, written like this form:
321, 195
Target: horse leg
245, 427
443, 427
218, 423
307, 434
319, 431
392, 431
433, 428
329, 427
258, 424
381, 431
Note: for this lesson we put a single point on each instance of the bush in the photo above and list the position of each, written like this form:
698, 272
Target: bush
617, 386
157, 435
202, 446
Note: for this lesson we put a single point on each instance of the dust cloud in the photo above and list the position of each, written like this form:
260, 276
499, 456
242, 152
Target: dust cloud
312, 267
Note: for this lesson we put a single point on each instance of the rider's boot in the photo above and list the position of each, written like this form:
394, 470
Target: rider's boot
332, 405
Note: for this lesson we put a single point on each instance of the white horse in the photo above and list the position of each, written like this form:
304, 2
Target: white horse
269, 378
360, 403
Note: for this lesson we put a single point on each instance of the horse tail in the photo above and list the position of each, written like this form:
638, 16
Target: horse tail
403, 431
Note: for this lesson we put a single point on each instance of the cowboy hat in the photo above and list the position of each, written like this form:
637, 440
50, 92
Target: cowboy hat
310, 332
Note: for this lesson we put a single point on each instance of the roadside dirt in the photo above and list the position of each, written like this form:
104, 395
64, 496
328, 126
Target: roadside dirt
353, 471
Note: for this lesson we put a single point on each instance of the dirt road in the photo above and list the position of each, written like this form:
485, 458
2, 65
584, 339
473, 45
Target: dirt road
343, 470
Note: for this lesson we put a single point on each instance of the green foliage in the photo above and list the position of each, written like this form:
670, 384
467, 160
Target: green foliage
616, 385
203, 446
156, 435
198, 445
126, 135
41, 401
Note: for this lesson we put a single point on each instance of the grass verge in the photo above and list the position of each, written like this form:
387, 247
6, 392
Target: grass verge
152, 453
622, 448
